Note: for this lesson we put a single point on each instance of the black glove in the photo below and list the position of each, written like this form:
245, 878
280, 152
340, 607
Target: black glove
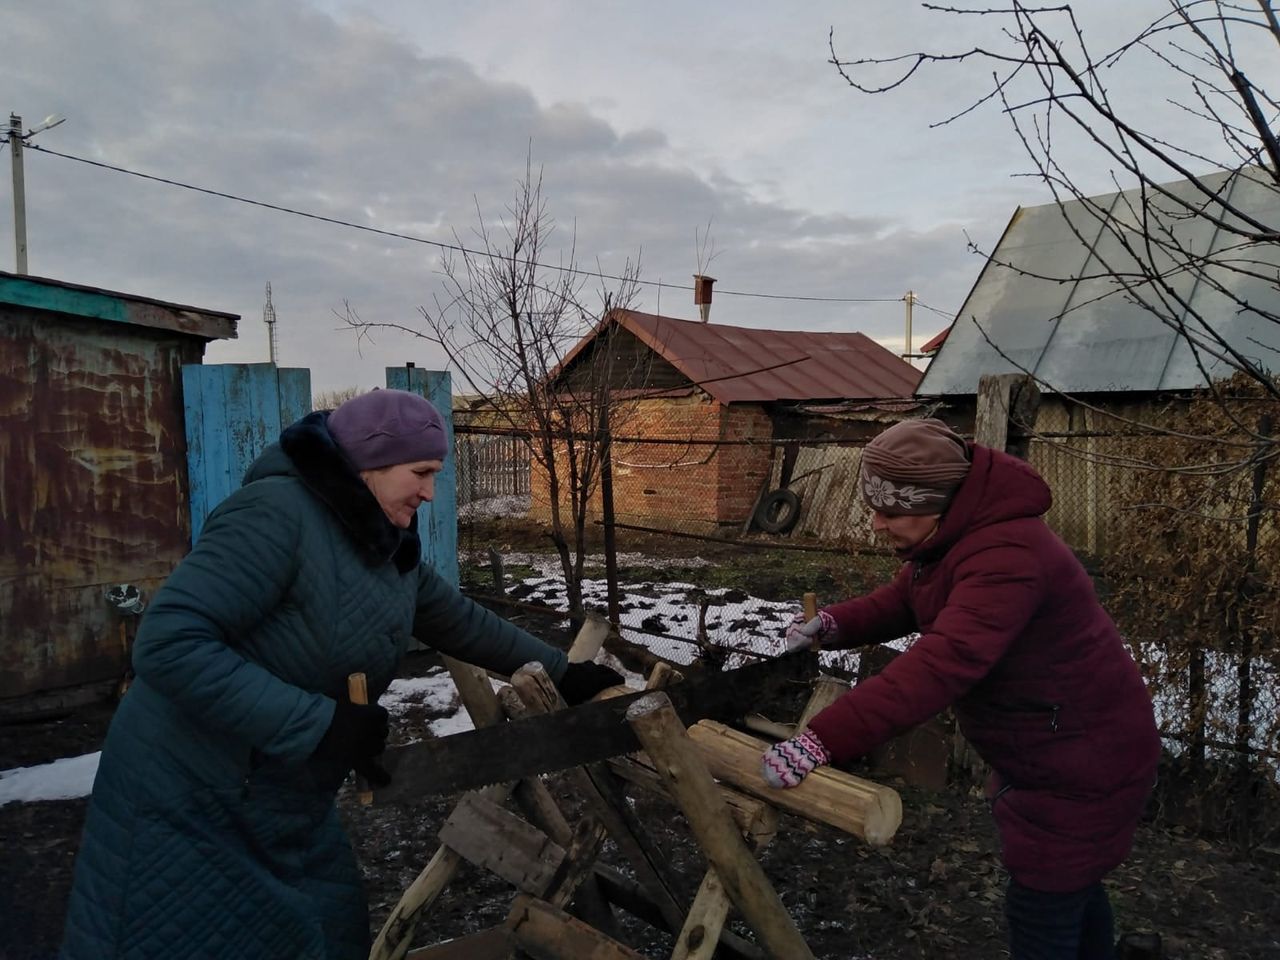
357, 733
582, 681
374, 775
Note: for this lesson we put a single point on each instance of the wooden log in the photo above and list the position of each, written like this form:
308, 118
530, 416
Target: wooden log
700, 935
540, 807
545, 933
597, 785
662, 674
495, 567
770, 728
397, 932
757, 820
666, 741
590, 638
491, 837
860, 807
826, 691
630, 896
476, 693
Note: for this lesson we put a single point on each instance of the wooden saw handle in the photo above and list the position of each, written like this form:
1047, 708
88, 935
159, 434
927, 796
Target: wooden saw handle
811, 611
358, 692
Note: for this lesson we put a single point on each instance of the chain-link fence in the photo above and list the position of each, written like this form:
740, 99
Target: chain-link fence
1181, 529
721, 528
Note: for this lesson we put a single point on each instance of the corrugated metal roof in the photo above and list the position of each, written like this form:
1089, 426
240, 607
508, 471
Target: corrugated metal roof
1083, 333
936, 341
73, 299
746, 365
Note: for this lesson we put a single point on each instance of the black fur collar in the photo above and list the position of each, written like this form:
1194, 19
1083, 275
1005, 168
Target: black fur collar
327, 473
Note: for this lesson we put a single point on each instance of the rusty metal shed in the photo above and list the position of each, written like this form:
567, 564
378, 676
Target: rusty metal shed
93, 472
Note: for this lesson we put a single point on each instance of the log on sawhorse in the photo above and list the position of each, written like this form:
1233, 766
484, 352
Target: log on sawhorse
532, 796
554, 867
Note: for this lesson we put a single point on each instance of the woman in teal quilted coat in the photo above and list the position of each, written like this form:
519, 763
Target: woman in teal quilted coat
212, 829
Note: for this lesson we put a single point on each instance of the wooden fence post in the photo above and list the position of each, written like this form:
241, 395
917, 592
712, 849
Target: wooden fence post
1004, 419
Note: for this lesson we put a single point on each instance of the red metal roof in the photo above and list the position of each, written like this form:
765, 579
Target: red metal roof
937, 341
746, 365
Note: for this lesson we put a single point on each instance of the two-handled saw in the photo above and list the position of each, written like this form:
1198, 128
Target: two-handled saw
589, 733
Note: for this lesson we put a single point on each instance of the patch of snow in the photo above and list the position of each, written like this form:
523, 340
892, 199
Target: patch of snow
505, 506
60, 780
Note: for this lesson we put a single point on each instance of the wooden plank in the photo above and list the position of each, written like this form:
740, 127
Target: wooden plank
681, 765
545, 933
491, 837
859, 807
438, 520
193, 414
577, 869
293, 388
443, 547
241, 431
496, 943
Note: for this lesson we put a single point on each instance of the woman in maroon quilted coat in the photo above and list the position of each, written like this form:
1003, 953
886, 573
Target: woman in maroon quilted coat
1012, 637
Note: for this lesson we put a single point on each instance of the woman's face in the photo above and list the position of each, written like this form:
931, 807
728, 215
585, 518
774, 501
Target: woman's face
401, 488
906, 530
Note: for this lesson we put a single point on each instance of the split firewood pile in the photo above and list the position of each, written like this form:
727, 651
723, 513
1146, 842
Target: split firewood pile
710, 770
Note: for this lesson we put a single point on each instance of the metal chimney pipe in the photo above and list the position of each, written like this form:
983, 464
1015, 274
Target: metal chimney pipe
702, 295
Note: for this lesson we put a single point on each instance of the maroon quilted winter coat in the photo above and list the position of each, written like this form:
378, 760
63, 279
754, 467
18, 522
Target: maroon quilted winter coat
1013, 637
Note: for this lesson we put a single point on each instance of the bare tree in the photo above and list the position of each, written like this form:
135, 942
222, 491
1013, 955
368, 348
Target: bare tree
512, 310
1054, 89
1199, 536
332, 399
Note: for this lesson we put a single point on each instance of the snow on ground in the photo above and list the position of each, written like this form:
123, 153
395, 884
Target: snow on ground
61, 780
735, 621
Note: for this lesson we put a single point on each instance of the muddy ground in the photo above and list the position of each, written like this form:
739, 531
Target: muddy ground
935, 891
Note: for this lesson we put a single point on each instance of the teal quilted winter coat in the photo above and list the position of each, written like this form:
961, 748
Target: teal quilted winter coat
212, 830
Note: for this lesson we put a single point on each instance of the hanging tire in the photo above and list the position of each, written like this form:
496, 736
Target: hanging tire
778, 511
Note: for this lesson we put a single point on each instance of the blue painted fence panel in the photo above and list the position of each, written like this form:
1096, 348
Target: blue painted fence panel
438, 520
233, 411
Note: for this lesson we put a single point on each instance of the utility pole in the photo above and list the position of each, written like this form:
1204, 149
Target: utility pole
18, 140
909, 300
19, 194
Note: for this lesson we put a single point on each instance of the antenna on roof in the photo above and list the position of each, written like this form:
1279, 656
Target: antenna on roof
269, 318
705, 250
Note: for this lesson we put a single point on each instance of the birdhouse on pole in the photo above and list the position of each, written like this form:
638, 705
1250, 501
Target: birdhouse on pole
702, 295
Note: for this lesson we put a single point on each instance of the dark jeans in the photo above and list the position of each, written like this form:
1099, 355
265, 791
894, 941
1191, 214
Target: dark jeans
1059, 926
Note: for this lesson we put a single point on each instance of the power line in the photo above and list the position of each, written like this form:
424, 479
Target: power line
941, 313
437, 243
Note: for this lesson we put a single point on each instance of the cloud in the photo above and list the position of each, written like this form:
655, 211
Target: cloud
345, 119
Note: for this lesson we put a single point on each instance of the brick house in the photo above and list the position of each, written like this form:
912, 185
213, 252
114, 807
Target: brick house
702, 415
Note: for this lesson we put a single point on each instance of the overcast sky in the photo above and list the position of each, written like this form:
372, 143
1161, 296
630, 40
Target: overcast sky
650, 120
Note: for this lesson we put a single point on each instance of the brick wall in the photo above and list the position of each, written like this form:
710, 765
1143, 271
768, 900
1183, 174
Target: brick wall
688, 486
